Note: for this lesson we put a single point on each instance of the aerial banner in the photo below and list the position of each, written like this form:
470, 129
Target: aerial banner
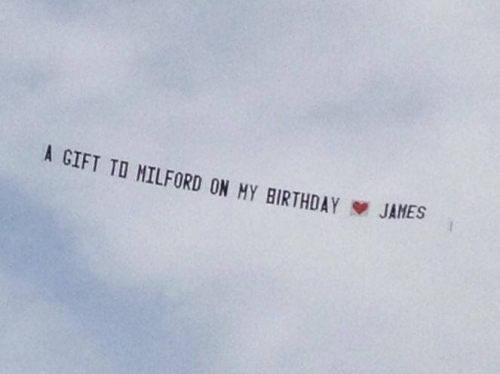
160, 176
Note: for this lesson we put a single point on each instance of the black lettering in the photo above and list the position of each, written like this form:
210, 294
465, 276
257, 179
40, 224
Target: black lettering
224, 186
75, 163
219, 187
402, 210
304, 201
187, 181
386, 210
393, 211
214, 186
85, 161
151, 170
411, 212
242, 191
271, 192
324, 206
157, 178
122, 173
168, 177
286, 196
67, 157
178, 180
335, 203
421, 212
196, 183
314, 202
114, 161
141, 173
48, 154
253, 189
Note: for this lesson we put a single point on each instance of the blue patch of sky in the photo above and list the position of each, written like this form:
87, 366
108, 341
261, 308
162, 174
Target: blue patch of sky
36, 249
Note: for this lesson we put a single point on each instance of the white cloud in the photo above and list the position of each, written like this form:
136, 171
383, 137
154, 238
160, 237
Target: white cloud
393, 102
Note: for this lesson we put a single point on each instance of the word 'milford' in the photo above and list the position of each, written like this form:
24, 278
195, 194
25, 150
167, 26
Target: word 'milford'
157, 176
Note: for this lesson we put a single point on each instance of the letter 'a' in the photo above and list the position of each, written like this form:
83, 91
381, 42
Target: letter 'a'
48, 154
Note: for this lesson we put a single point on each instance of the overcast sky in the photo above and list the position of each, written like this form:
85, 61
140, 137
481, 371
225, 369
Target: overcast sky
386, 102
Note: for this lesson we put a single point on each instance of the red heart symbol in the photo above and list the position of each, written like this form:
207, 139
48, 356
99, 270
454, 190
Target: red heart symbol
359, 206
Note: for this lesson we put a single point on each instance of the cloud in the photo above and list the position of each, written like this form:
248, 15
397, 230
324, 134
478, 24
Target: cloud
390, 103
41, 336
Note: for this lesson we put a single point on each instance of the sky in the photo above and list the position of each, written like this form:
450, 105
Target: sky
387, 102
